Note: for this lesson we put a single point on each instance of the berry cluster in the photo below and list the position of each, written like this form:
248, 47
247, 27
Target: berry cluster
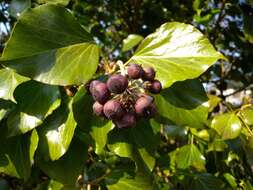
124, 97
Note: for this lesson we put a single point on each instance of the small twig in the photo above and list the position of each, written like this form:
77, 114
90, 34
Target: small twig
239, 90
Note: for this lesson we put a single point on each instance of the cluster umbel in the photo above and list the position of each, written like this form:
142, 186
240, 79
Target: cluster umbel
125, 96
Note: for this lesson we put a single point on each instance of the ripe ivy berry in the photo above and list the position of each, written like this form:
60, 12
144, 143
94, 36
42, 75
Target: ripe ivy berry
98, 109
117, 83
142, 106
135, 71
155, 87
148, 74
91, 85
100, 92
113, 109
127, 120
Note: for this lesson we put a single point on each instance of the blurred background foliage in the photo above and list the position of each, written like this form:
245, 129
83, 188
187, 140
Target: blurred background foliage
228, 24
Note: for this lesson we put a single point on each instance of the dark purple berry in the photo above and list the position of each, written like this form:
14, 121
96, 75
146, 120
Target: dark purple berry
151, 111
113, 109
92, 84
100, 92
148, 74
98, 109
127, 120
135, 71
117, 83
155, 87
142, 105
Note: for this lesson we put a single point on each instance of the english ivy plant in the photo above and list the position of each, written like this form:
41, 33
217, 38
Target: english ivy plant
48, 126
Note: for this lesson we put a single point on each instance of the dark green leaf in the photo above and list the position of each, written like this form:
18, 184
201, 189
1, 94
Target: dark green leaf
177, 51
17, 155
67, 169
248, 27
35, 101
184, 107
206, 181
49, 45
132, 143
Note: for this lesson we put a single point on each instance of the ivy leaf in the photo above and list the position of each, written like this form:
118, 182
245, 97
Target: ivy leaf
5, 108
56, 132
206, 181
35, 101
62, 2
9, 81
131, 41
17, 154
132, 143
50, 46
189, 155
98, 128
139, 182
187, 107
227, 125
67, 169
177, 51
247, 115
248, 27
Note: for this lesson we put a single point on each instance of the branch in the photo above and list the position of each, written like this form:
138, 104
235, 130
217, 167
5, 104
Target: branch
238, 90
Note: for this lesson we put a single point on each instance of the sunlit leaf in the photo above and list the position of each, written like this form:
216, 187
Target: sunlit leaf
177, 51
227, 125
50, 46
131, 41
9, 81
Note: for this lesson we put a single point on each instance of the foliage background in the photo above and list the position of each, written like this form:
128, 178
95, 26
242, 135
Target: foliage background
172, 151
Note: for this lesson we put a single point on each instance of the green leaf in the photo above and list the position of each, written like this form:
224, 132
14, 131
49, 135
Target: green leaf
184, 107
217, 145
99, 131
247, 115
9, 81
213, 102
248, 27
231, 180
139, 182
177, 51
227, 125
5, 108
62, 2
206, 181
17, 155
18, 6
131, 41
132, 143
35, 101
50, 46
189, 155
56, 133
98, 128
67, 169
